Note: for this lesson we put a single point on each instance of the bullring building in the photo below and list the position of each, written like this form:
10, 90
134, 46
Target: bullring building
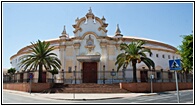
90, 55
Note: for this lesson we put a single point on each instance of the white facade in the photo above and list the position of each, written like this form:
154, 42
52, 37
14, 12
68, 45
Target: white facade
92, 45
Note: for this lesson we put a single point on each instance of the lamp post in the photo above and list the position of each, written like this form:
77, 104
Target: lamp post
124, 68
151, 77
75, 81
63, 75
113, 73
104, 74
75, 74
162, 75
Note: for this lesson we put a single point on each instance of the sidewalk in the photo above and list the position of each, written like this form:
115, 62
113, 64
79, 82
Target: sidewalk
81, 96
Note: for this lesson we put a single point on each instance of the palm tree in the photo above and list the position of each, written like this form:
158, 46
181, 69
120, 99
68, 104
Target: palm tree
40, 57
134, 53
53, 72
11, 71
185, 70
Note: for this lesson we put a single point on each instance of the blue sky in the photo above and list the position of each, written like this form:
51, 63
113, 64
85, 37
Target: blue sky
27, 22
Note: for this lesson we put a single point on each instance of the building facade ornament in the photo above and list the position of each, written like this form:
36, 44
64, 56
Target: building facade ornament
118, 32
91, 44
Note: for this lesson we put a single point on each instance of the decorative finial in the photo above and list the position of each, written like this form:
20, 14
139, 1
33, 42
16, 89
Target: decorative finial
118, 29
77, 19
90, 14
103, 18
64, 31
90, 11
118, 32
64, 28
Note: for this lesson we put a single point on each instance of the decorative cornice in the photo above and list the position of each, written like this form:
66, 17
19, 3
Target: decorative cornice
150, 42
76, 26
102, 28
79, 22
105, 25
76, 29
29, 51
117, 46
160, 49
90, 47
103, 44
76, 45
87, 33
62, 46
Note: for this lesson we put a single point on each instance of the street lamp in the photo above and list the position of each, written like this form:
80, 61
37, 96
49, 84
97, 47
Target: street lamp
75, 81
113, 73
63, 75
124, 68
18, 74
104, 74
75, 74
162, 75
151, 77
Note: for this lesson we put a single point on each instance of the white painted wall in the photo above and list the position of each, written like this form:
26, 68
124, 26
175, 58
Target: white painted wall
91, 26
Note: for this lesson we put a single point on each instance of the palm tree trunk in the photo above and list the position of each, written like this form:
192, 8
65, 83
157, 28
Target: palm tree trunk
40, 73
134, 70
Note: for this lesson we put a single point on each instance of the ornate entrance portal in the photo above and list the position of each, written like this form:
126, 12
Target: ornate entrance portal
89, 74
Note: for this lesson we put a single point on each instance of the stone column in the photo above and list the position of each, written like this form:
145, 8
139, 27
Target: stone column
118, 51
77, 63
104, 60
62, 54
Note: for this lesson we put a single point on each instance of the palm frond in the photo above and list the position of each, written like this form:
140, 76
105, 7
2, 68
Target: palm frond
41, 56
133, 53
148, 62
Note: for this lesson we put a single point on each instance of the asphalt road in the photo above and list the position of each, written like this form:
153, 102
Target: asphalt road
186, 97
12, 98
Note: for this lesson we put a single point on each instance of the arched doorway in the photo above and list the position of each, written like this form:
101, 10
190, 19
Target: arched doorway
89, 72
144, 76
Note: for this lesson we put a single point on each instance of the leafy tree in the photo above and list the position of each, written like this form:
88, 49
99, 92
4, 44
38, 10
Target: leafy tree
12, 71
134, 53
186, 53
40, 57
53, 72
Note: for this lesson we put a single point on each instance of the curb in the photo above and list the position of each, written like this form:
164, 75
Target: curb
150, 94
85, 99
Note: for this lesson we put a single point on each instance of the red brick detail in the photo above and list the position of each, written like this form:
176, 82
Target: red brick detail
36, 87
157, 87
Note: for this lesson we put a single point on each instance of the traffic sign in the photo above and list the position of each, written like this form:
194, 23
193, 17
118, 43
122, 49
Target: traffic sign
175, 64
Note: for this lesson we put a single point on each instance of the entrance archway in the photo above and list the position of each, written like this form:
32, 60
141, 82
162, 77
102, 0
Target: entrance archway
89, 72
144, 76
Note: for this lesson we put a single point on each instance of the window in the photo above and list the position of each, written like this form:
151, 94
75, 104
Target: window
168, 56
169, 75
69, 69
157, 55
178, 76
158, 75
163, 56
150, 55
